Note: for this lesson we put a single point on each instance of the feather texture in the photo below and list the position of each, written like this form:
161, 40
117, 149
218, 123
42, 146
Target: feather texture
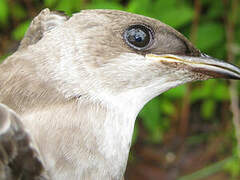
19, 158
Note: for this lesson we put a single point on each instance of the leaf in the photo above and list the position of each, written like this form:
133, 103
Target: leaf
142, 7
19, 32
167, 107
105, 5
202, 92
213, 88
65, 6
151, 119
233, 167
18, 12
221, 92
216, 10
176, 93
199, 93
177, 17
77, 5
69, 6
4, 11
164, 5
151, 114
209, 35
49, 3
208, 108
156, 136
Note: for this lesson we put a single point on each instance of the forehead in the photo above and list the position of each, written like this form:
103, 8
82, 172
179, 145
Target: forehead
119, 19
108, 27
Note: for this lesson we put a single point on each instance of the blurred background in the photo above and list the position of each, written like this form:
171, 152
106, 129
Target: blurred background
190, 132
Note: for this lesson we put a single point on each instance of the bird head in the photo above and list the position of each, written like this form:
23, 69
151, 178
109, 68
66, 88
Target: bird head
109, 53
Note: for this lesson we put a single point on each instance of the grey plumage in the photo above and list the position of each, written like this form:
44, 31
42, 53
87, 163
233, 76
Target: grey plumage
44, 22
19, 158
77, 86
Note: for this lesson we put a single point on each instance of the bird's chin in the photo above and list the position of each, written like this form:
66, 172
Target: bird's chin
207, 66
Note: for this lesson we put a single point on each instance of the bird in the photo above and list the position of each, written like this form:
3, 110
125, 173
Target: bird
71, 92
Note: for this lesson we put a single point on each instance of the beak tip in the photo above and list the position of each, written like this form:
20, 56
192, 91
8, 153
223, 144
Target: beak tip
237, 77
221, 69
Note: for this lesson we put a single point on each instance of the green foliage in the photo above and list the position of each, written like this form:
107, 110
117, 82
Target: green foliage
19, 32
18, 12
176, 93
4, 10
154, 120
208, 170
151, 115
49, 3
209, 35
233, 167
207, 108
143, 7
177, 17
215, 11
165, 11
100, 4
68, 7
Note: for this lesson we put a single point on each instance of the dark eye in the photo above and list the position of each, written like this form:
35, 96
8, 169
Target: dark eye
138, 36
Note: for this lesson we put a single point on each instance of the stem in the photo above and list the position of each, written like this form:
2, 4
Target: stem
230, 22
207, 171
185, 111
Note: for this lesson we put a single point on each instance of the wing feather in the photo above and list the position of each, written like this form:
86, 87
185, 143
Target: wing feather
19, 158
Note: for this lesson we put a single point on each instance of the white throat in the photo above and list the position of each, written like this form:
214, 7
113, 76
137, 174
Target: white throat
92, 139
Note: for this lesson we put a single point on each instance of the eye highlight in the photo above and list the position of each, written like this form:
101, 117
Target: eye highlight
138, 36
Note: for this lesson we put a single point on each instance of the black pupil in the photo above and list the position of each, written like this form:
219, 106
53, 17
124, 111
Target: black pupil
138, 36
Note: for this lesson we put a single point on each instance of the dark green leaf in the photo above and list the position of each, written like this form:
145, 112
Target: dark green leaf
142, 7
221, 92
18, 12
176, 92
105, 5
3, 12
208, 108
167, 107
49, 3
151, 118
209, 35
65, 6
19, 32
177, 17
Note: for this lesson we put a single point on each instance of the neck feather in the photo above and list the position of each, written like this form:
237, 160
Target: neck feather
92, 138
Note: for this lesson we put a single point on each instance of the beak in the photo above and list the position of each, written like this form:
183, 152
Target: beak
203, 64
